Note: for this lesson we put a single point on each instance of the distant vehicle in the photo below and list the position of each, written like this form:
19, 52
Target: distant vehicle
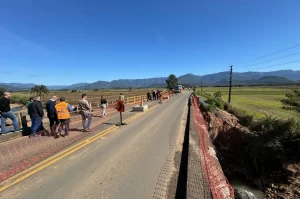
178, 89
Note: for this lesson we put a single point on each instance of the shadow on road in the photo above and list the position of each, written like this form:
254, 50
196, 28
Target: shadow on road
181, 190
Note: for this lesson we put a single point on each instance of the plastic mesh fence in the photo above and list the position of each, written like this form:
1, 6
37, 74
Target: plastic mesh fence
219, 185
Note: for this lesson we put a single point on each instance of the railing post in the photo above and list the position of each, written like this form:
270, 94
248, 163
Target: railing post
19, 119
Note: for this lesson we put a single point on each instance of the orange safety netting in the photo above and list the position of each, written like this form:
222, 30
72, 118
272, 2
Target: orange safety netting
219, 185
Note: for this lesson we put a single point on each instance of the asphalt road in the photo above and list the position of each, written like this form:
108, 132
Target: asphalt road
123, 164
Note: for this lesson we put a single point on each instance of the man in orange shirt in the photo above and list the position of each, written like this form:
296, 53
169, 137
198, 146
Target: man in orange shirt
63, 110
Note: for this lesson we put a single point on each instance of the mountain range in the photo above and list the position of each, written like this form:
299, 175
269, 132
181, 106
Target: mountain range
281, 77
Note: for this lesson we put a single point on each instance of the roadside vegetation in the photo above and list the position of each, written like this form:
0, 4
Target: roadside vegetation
264, 154
263, 119
256, 101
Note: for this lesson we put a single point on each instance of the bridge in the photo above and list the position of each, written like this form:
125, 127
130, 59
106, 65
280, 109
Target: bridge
164, 152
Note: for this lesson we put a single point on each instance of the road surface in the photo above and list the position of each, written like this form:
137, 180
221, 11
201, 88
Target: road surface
123, 164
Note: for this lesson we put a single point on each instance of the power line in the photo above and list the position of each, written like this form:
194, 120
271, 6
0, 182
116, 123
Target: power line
271, 60
277, 64
270, 54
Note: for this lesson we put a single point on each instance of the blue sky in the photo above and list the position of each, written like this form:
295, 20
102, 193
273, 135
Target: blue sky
69, 41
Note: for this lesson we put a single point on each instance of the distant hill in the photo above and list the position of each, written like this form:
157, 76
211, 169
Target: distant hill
76, 86
56, 87
16, 86
264, 81
213, 79
282, 77
274, 80
190, 79
9, 88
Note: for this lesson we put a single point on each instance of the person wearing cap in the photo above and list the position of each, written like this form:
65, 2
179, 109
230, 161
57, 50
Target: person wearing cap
63, 110
35, 110
85, 110
7, 113
51, 113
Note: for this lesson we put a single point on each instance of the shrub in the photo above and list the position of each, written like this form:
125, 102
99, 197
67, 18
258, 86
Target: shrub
218, 94
292, 101
215, 102
244, 118
274, 127
19, 99
227, 106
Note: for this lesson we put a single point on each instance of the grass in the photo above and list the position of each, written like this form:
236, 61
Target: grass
257, 101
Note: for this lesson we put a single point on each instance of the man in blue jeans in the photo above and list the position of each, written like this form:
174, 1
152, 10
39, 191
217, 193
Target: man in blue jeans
6, 113
36, 113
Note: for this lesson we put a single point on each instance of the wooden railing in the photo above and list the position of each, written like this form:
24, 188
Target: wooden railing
22, 119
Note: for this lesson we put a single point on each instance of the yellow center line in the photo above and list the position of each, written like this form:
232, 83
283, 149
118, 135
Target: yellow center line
34, 169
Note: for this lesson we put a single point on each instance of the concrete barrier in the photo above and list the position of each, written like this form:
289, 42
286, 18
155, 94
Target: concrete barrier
140, 108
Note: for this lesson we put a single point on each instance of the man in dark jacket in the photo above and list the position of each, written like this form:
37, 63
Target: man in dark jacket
154, 95
6, 113
51, 114
36, 113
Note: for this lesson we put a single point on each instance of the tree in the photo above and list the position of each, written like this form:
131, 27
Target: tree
2, 90
172, 81
39, 90
130, 88
292, 101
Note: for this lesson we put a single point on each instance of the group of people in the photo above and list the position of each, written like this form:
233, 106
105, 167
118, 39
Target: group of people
154, 95
58, 114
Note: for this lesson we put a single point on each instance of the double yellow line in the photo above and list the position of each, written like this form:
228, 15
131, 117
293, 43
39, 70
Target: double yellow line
34, 169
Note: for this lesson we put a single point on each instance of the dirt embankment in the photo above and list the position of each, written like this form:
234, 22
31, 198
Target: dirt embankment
272, 164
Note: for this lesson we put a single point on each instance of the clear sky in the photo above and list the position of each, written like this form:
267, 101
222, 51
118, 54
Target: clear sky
62, 42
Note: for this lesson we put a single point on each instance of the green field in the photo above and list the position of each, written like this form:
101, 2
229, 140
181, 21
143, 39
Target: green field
257, 101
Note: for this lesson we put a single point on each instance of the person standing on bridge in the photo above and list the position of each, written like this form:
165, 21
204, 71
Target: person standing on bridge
160, 96
29, 102
121, 97
51, 114
63, 110
7, 113
85, 110
36, 113
154, 95
103, 105
149, 96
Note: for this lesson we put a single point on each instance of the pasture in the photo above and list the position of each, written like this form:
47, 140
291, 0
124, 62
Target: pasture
257, 101
93, 96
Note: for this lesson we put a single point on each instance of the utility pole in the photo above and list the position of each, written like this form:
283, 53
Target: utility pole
230, 82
